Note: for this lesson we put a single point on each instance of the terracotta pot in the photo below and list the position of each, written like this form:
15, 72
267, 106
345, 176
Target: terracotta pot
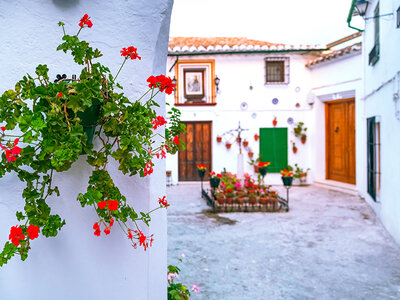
303, 139
219, 139
253, 200
256, 168
303, 178
221, 200
294, 150
238, 140
251, 154
274, 122
229, 200
256, 137
245, 143
240, 200
228, 145
263, 200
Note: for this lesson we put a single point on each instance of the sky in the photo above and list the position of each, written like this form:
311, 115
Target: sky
277, 21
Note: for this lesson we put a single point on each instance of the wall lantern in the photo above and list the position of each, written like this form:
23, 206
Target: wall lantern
174, 81
361, 7
216, 81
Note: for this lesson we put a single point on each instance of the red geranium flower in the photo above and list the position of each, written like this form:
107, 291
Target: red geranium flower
111, 222
33, 231
130, 236
85, 21
176, 140
161, 82
3, 128
112, 204
102, 204
163, 202
159, 121
96, 228
16, 235
107, 230
130, 52
219, 175
59, 95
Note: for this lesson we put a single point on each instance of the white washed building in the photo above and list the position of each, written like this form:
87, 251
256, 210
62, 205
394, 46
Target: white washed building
258, 82
76, 264
378, 129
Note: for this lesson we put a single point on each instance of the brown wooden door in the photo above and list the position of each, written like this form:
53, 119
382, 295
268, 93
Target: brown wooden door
197, 139
340, 141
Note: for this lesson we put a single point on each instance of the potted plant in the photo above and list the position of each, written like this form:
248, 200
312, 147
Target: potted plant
219, 195
215, 179
252, 198
256, 137
245, 143
230, 196
301, 174
287, 177
294, 148
44, 130
274, 199
219, 139
263, 196
250, 153
201, 170
263, 168
228, 145
300, 132
254, 163
274, 122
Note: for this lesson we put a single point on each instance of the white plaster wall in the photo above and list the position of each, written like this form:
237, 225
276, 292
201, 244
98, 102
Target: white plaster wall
332, 78
378, 101
237, 73
76, 264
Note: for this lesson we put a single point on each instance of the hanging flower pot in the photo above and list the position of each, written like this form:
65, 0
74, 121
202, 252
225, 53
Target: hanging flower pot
219, 139
250, 153
274, 122
256, 137
256, 168
287, 181
263, 170
214, 182
245, 143
303, 138
228, 145
294, 148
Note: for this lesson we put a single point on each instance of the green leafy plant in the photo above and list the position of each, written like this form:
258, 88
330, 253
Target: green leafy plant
177, 290
46, 130
300, 131
298, 172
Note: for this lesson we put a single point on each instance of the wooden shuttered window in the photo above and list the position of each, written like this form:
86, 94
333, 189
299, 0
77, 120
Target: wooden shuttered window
274, 148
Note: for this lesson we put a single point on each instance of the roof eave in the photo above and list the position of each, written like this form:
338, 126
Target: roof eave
242, 52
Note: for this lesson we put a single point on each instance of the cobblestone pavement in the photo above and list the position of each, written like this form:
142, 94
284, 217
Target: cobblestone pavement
329, 246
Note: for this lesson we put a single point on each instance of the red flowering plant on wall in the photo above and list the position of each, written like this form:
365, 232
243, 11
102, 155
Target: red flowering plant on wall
46, 126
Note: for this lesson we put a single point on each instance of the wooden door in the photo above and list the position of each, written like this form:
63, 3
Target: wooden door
197, 139
340, 141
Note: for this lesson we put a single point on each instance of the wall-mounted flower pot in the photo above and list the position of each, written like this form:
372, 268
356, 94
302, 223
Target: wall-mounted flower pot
90, 118
287, 181
245, 143
214, 182
219, 139
251, 154
228, 145
263, 170
303, 139
294, 150
256, 168
256, 137
274, 122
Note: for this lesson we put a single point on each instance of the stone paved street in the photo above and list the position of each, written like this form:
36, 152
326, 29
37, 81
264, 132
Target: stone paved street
329, 246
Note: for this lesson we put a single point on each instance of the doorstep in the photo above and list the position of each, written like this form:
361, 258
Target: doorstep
337, 186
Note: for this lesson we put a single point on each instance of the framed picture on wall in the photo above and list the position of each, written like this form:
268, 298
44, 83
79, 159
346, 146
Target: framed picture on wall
194, 84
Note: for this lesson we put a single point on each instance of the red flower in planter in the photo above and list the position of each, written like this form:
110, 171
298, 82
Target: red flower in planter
159, 121
102, 204
130, 52
85, 21
176, 140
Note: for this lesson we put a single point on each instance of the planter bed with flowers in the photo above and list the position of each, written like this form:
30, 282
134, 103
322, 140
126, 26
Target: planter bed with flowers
233, 195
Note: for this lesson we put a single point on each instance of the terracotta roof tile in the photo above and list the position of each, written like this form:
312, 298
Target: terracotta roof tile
335, 54
179, 45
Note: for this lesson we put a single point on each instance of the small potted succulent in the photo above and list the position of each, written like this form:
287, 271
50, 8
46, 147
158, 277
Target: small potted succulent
294, 148
300, 132
287, 177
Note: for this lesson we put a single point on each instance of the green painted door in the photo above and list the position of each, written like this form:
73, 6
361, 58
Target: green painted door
274, 148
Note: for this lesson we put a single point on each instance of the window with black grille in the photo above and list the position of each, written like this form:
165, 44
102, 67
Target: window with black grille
373, 157
277, 70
